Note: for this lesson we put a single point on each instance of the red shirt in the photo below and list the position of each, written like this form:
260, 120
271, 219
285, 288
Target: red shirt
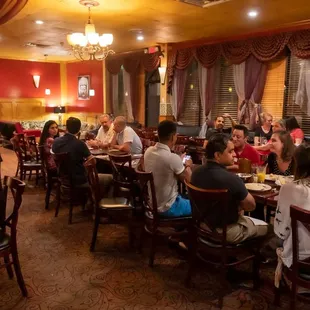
249, 153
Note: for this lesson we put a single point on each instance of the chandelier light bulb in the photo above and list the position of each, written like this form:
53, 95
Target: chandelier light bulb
90, 44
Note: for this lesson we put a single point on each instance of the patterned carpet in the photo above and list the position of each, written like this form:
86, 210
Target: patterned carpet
61, 273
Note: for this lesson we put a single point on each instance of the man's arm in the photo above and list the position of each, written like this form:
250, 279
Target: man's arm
125, 147
186, 174
248, 204
233, 123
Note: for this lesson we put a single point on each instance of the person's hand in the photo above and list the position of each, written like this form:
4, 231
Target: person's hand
189, 163
91, 142
226, 115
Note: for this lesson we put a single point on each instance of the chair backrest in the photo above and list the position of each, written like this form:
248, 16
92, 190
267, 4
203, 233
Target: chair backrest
62, 161
123, 174
184, 140
93, 179
245, 165
33, 148
199, 141
16, 187
148, 193
203, 203
302, 216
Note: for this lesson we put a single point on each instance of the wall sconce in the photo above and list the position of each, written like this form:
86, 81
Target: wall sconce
162, 74
36, 80
91, 92
47, 91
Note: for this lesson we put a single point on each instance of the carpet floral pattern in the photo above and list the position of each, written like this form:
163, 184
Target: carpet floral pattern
61, 274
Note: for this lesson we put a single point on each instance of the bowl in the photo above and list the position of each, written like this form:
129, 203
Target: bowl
244, 176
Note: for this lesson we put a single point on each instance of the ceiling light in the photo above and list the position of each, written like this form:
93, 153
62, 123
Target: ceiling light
39, 22
252, 14
140, 37
90, 45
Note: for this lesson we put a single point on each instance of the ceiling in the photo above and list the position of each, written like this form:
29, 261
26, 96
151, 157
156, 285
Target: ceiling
162, 21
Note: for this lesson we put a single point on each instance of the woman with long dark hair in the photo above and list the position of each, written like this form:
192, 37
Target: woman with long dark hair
295, 193
293, 127
280, 160
49, 133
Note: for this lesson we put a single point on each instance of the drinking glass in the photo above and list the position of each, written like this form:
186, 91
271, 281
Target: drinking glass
261, 173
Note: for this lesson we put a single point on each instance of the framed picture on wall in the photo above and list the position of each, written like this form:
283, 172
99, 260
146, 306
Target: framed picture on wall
83, 87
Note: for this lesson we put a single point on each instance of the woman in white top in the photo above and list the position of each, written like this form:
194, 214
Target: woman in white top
294, 193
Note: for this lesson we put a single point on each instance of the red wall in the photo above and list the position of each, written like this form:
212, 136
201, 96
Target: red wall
95, 70
16, 79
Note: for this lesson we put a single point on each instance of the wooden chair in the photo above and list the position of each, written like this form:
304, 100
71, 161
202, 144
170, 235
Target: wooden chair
25, 163
77, 194
8, 241
209, 244
33, 148
50, 177
199, 141
154, 224
299, 272
105, 206
183, 140
245, 165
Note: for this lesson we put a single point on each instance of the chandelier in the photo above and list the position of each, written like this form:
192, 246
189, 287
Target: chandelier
91, 45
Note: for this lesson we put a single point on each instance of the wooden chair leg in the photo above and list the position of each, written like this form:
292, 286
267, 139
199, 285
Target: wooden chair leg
30, 175
224, 284
17, 170
277, 296
8, 266
256, 275
48, 194
37, 177
18, 273
152, 249
191, 262
70, 212
95, 231
57, 199
21, 173
293, 296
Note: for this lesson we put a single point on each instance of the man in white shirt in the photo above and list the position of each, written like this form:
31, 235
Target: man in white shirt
126, 138
167, 169
105, 133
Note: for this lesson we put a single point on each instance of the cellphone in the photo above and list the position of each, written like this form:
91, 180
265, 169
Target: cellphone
186, 157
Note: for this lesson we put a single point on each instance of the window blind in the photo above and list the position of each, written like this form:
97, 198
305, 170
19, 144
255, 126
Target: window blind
226, 99
290, 108
272, 101
192, 111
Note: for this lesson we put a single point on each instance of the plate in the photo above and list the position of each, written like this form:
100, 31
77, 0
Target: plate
257, 187
244, 176
271, 177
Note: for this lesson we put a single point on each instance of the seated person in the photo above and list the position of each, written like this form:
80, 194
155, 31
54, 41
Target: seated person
214, 175
219, 127
105, 132
276, 126
295, 193
205, 126
242, 148
293, 127
264, 131
280, 160
49, 133
167, 169
77, 149
126, 139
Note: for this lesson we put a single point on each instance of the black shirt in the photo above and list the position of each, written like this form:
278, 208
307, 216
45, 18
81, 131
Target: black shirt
273, 166
78, 153
259, 132
215, 176
211, 131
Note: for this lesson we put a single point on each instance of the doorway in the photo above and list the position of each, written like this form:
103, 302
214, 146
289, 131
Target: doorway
152, 98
